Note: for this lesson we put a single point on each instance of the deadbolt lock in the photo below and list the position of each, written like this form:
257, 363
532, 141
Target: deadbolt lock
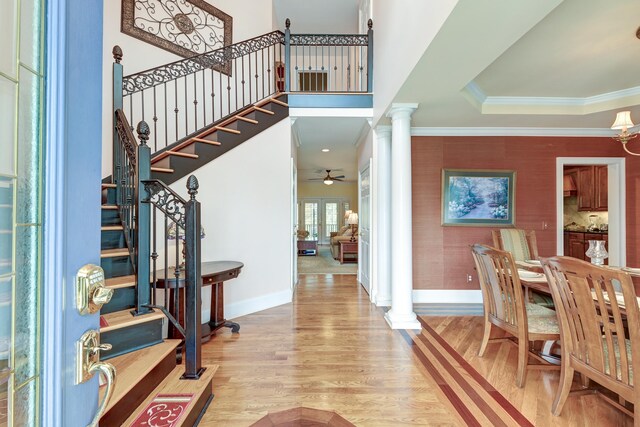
91, 293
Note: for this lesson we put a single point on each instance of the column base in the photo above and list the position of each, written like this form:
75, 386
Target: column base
383, 302
403, 321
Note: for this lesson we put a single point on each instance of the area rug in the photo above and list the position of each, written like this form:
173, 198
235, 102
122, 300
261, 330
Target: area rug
165, 410
323, 263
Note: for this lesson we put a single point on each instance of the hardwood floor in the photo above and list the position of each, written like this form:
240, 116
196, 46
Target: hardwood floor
498, 366
332, 350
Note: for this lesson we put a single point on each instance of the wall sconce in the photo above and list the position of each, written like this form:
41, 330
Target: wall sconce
623, 123
353, 222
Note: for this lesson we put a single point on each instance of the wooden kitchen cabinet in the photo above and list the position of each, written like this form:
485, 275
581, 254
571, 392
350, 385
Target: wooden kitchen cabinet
593, 184
576, 244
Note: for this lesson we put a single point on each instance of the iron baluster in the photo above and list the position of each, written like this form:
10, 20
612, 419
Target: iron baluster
195, 102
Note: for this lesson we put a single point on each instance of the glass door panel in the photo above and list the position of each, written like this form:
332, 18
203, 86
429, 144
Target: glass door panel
331, 219
310, 218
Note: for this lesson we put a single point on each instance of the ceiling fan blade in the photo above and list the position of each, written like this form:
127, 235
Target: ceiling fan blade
339, 176
337, 179
315, 179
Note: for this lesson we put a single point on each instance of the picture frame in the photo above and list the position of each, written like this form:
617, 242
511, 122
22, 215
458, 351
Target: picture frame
481, 198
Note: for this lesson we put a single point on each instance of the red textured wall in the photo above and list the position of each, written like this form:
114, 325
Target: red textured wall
441, 255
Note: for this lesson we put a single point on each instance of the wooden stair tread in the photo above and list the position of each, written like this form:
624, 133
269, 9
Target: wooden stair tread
108, 185
224, 129
205, 141
172, 384
121, 282
277, 101
111, 228
133, 367
161, 170
110, 207
109, 253
181, 154
124, 318
246, 119
262, 110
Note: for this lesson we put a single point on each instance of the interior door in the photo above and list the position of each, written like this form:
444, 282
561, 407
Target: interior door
364, 257
294, 223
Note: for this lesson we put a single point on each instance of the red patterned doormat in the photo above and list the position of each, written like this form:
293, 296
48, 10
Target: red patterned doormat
165, 410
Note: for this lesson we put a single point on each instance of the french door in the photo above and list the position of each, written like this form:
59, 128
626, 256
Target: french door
321, 217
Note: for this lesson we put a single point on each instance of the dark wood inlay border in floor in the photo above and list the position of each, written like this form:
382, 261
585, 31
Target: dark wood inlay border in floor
495, 394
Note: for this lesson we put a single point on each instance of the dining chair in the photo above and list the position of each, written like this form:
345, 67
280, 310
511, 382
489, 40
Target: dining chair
505, 307
523, 246
599, 328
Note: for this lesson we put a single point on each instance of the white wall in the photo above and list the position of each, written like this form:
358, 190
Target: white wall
250, 19
402, 32
246, 214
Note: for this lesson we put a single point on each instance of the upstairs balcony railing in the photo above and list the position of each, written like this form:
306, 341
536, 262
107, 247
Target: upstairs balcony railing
181, 98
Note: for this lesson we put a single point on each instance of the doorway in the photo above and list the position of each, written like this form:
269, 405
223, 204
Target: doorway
321, 217
614, 168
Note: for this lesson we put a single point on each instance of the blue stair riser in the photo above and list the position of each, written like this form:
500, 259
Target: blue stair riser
112, 240
122, 299
135, 337
116, 266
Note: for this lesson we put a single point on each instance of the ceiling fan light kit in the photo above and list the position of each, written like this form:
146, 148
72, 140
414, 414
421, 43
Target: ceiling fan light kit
328, 180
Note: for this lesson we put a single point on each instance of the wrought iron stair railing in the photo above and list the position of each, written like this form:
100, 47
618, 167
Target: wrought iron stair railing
182, 98
136, 195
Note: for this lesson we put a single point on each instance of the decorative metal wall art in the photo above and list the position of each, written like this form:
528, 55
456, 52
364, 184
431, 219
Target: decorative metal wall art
183, 27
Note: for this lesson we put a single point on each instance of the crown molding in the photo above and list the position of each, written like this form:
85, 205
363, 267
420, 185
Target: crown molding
550, 104
506, 131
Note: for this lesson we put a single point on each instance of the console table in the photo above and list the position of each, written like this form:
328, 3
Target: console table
214, 274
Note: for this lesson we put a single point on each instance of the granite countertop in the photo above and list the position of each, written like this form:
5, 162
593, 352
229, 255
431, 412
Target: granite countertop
586, 232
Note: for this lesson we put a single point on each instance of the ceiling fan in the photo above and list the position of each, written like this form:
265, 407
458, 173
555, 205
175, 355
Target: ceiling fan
328, 180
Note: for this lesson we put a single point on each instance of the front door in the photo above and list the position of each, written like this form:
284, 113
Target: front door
72, 146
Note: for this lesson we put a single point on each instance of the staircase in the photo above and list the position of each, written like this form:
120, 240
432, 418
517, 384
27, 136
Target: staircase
199, 108
146, 364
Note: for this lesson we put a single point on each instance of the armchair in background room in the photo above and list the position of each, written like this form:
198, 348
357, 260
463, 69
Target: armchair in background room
523, 246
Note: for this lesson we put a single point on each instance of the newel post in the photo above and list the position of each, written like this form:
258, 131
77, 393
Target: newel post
116, 161
193, 283
142, 242
287, 56
370, 57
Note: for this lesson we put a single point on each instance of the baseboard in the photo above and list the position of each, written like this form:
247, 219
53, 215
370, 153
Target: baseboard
452, 309
444, 296
252, 305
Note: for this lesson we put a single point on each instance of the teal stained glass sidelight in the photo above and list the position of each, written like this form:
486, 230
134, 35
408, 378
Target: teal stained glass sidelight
28, 148
27, 294
8, 117
31, 34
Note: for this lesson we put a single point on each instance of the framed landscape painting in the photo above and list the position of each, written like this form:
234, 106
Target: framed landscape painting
478, 197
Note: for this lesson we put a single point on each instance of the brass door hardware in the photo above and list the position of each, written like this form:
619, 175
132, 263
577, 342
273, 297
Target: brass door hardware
91, 293
88, 363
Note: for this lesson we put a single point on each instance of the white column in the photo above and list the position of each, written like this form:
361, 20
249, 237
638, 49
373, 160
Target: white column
383, 230
401, 315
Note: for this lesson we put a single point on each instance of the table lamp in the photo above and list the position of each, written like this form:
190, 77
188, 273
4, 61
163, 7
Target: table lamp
172, 235
353, 222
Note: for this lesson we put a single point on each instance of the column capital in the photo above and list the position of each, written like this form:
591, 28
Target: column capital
399, 110
383, 131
